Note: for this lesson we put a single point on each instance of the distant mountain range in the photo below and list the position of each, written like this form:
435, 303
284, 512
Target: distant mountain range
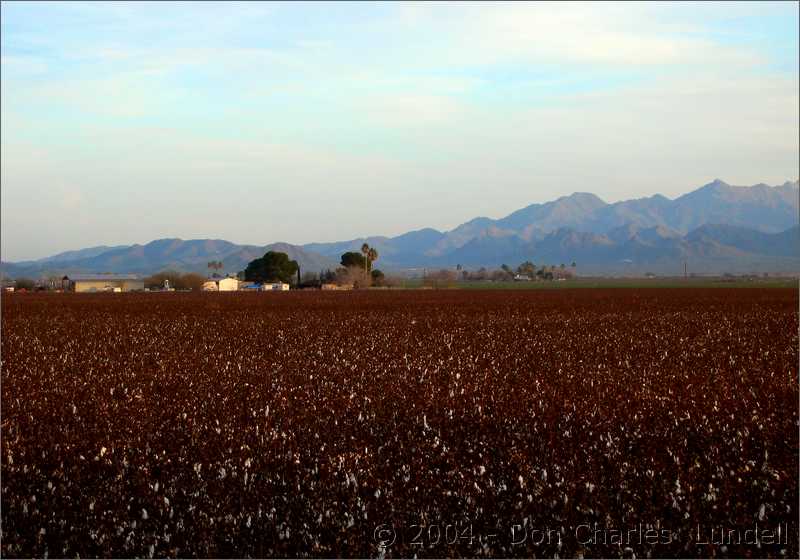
164, 254
716, 228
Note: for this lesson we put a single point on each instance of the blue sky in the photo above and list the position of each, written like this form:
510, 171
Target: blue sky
125, 122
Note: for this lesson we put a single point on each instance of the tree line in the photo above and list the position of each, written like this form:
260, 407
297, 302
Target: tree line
356, 269
526, 271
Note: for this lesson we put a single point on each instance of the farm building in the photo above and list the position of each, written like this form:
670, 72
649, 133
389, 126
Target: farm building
221, 285
228, 285
102, 282
233, 285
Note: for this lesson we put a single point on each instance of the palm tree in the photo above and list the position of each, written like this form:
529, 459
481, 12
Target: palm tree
372, 255
365, 252
216, 265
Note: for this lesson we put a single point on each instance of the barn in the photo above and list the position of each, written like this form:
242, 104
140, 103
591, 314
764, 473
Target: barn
102, 282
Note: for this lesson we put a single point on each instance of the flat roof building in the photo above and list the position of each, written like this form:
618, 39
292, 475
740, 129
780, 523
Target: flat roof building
102, 282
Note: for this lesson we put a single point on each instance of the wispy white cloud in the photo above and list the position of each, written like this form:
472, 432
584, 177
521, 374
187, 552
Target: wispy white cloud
574, 32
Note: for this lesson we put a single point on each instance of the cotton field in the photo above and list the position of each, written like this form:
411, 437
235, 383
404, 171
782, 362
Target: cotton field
385, 424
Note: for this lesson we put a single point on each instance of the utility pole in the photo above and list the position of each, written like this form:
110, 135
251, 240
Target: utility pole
685, 271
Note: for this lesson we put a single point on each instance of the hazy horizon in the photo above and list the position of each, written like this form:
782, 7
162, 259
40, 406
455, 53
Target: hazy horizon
259, 123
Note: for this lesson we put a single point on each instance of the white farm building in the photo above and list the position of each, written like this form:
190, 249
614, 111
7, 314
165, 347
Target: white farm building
228, 285
233, 285
221, 285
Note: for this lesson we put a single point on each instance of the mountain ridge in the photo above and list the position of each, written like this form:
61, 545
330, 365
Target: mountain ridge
722, 227
760, 207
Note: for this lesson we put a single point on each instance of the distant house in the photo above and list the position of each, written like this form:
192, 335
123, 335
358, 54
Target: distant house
102, 283
277, 287
522, 278
228, 285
